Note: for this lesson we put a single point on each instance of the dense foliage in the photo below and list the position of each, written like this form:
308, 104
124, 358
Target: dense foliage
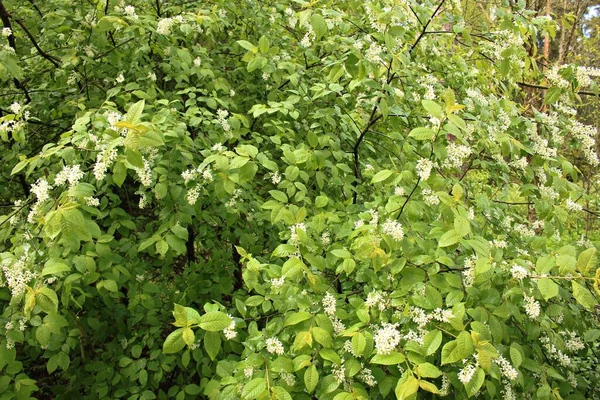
326, 199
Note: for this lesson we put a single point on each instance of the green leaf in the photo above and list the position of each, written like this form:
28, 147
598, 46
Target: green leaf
427, 370
135, 112
246, 45
319, 25
388, 359
381, 176
296, 318
547, 288
214, 321
515, 356
462, 226
432, 342
458, 349
174, 342
54, 267
587, 261
433, 108
582, 295
311, 378
263, 44
359, 343
475, 383
406, 386
422, 133
134, 158
212, 344
449, 238
254, 388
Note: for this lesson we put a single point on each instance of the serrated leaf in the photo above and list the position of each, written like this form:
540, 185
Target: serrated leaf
432, 108
583, 295
311, 378
548, 288
427, 370
388, 359
458, 349
135, 112
254, 388
406, 386
296, 318
212, 344
319, 25
174, 342
449, 238
475, 383
422, 133
214, 321
587, 261
381, 176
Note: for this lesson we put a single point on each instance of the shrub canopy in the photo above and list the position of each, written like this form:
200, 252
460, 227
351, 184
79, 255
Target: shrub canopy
326, 199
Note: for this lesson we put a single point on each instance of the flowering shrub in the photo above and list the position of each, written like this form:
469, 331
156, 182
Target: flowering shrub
334, 200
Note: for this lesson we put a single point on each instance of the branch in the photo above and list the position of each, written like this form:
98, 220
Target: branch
534, 86
5, 18
423, 31
408, 198
41, 52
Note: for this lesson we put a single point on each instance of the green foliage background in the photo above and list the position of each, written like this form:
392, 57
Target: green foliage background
326, 199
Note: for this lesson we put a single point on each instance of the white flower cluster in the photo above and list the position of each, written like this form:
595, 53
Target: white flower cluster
421, 318
573, 343
532, 307
294, 232
445, 389
309, 38
92, 201
572, 206
430, 198
423, 168
18, 274
130, 12
230, 332
507, 391
71, 174
507, 370
399, 191
475, 94
329, 305
292, 20
339, 371
338, 326
519, 272
274, 346
366, 375
586, 136
387, 338
584, 74
104, 160
376, 299
191, 174
237, 193
277, 283
6, 32
523, 230
466, 373
541, 145
222, 119
166, 24
428, 81
469, 271
145, 173
373, 53
192, 195
325, 238
554, 353
275, 178
288, 378
41, 190
456, 155
548, 192
394, 229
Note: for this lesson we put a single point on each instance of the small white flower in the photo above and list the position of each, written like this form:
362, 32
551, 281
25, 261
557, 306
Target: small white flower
15, 108
329, 304
120, 78
424, 167
6, 32
466, 374
274, 346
